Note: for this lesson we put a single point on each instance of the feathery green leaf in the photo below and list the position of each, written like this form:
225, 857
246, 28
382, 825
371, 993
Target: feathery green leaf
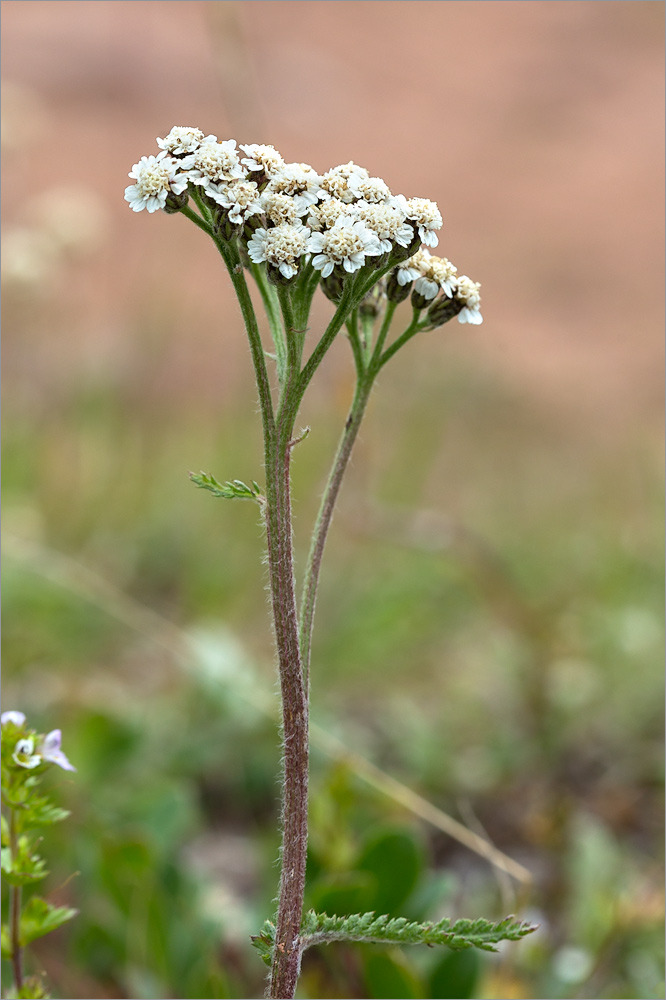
231, 490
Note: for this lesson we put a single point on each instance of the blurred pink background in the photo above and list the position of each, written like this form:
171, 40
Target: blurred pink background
536, 126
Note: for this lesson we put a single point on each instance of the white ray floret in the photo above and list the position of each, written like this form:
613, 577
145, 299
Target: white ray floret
215, 163
424, 214
335, 183
434, 273
280, 208
408, 270
282, 247
372, 189
468, 291
240, 198
262, 157
326, 214
387, 222
155, 177
300, 181
183, 139
347, 244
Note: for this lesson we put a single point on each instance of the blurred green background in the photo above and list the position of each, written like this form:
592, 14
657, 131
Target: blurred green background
489, 626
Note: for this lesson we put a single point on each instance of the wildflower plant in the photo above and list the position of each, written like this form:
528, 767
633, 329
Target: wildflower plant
26, 756
291, 231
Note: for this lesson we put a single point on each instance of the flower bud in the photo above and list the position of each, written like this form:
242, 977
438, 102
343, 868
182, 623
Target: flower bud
276, 277
419, 301
332, 286
174, 202
444, 309
395, 292
374, 303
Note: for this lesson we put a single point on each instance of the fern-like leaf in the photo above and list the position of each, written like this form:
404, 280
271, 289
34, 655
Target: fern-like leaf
318, 928
231, 490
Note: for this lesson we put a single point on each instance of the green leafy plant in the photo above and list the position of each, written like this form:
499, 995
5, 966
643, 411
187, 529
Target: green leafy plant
292, 230
26, 756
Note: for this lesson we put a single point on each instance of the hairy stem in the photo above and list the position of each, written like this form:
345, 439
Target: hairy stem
324, 518
15, 910
287, 955
411, 331
272, 307
231, 258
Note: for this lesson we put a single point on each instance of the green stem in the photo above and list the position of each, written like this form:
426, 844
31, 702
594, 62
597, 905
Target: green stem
413, 328
324, 518
231, 257
293, 333
295, 737
367, 329
383, 332
197, 197
15, 909
272, 306
355, 341
196, 219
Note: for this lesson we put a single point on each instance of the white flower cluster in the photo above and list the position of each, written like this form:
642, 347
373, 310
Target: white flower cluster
340, 218
434, 274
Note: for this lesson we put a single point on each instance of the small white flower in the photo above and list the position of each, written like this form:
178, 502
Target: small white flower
336, 183
468, 291
348, 243
387, 222
326, 214
434, 273
408, 270
372, 189
424, 214
24, 754
183, 139
280, 208
282, 247
262, 157
155, 177
240, 198
16, 718
300, 181
215, 163
50, 751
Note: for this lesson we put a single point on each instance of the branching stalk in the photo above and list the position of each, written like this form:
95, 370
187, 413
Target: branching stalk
324, 518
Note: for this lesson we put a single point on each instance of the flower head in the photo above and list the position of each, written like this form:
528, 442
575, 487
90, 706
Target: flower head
348, 243
326, 214
468, 292
281, 208
372, 189
183, 139
240, 198
387, 222
424, 214
282, 247
435, 273
262, 158
15, 718
336, 183
50, 751
214, 163
156, 177
300, 181
408, 270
